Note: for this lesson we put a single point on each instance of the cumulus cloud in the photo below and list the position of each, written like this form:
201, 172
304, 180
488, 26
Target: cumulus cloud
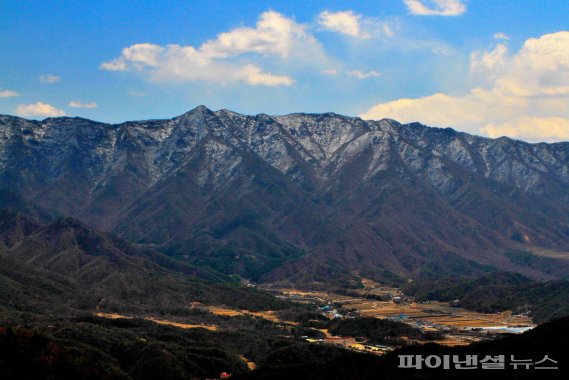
525, 98
137, 56
436, 7
525, 127
363, 75
38, 109
49, 78
476, 108
275, 36
8, 94
77, 104
342, 22
352, 24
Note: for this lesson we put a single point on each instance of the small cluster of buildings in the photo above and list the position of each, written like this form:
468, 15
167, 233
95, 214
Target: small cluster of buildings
330, 312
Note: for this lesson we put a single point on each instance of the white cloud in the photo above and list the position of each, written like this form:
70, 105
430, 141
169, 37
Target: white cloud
354, 25
476, 108
49, 78
77, 104
137, 56
253, 75
8, 94
275, 36
363, 75
489, 63
38, 109
526, 97
342, 22
531, 128
137, 93
184, 63
501, 36
436, 7
119, 64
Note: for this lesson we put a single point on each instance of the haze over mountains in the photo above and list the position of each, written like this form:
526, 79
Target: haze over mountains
304, 197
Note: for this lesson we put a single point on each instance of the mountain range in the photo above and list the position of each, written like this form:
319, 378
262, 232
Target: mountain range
303, 198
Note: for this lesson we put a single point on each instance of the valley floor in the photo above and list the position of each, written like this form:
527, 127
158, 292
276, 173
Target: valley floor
459, 326
453, 326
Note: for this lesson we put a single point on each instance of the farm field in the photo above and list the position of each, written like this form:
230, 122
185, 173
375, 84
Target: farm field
437, 313
460, 326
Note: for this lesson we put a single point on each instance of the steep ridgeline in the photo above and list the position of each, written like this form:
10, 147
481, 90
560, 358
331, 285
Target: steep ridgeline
307, 197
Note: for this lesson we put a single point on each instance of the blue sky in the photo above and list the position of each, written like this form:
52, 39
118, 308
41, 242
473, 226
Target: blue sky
487, 67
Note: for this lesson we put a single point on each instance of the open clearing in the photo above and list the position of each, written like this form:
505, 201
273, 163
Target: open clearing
159, 321
269, 315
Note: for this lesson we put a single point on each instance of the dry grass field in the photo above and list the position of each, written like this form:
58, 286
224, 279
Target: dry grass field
159, 321
269, 315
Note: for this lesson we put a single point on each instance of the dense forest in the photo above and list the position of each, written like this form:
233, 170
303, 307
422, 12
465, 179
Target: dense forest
94, 348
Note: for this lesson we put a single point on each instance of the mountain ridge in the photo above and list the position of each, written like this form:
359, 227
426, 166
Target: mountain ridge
331, 113
254, 194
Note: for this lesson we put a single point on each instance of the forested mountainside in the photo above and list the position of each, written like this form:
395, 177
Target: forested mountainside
64, 267
302, 197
